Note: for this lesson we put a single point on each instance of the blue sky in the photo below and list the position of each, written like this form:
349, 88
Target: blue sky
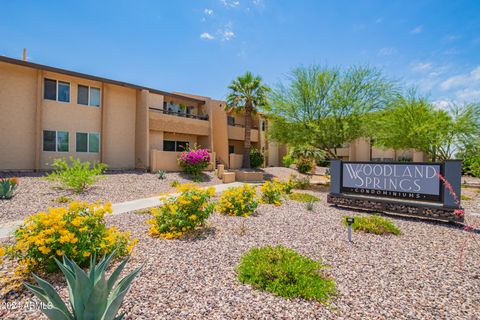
199, 46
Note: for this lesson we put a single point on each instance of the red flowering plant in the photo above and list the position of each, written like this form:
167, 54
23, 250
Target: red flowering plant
194, 160
471, 228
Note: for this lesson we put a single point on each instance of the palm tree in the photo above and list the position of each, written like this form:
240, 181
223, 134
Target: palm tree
247, 94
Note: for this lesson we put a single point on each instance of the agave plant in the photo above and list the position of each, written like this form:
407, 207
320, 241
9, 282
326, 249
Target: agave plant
7, 187
92, 296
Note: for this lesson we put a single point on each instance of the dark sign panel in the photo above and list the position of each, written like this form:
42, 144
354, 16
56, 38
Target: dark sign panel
417, 181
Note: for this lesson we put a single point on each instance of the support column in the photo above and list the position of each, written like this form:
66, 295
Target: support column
38, 120
453, 174
335, 176
142, 159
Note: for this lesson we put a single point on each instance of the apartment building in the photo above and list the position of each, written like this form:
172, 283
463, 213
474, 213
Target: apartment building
362, 150
48, 113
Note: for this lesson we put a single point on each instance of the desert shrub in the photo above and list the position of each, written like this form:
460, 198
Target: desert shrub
471, 166
256, 158
161, 174
174, 184
272, 192
289, 185
287, 160
374, 224
63, 199
310, 205
189, 210
194, 160
305, 165
295, 182
77, 175
303, 197
7, 187
239, 201
77, 231
285, 273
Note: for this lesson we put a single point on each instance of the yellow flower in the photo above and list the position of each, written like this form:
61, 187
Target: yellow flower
193, 217
86, 254
59, 252
44, 250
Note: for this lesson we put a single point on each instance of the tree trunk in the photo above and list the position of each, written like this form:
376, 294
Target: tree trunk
248, 129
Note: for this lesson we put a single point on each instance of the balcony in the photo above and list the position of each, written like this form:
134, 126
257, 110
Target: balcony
237, 132
169, 121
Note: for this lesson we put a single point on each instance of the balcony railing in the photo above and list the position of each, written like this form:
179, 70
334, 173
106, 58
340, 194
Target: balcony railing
180, 114
241, 125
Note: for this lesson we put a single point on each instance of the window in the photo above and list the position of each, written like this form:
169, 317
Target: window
178, 146
168, 145
56, 90
88, 142
263, 125
231, 149
56, 141
181, 146
88, 96
230, 121
50, 89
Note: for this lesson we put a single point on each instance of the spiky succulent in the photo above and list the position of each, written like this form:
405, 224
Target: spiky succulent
91, 295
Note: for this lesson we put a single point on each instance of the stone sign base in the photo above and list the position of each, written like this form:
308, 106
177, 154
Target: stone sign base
422, 210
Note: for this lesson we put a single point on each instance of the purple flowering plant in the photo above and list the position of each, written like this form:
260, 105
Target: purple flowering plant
194, 160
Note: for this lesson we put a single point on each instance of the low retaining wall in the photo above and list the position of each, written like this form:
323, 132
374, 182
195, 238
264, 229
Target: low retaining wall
168, 161
236, 161
407, 208
249, 176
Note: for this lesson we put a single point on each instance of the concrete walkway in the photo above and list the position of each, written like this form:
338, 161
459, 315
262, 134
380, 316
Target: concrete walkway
6, 230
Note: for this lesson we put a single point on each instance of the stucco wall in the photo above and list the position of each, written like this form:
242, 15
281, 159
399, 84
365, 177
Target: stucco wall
119, 127
168, 161
219, 129
172, 123
71, 117
17, 117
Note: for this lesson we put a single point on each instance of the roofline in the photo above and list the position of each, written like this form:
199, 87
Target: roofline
94, 78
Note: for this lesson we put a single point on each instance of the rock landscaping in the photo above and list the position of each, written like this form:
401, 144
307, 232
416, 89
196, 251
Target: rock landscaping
411, 275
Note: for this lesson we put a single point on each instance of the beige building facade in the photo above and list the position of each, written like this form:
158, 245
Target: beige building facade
48, 113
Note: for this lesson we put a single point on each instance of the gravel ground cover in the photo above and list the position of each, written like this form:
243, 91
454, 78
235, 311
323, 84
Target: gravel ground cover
411, 276
35, 193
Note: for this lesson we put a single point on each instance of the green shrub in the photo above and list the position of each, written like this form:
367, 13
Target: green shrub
256, 158
285, 273
272, 192
471, 166
174, 184
7, 187
287, 160
63, 199
239, 201
374, 224
303, 197
77, 175
310, 205
161, 174
305, 165
299, 183
92, 295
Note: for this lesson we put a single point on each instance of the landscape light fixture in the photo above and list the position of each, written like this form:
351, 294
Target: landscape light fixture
350, 221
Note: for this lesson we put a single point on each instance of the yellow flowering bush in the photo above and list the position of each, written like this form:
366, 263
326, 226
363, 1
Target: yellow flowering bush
77, 231
239, 201
272, 192
182, 213
2, 253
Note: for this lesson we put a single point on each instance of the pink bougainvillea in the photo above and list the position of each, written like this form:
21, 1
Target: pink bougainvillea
194, 160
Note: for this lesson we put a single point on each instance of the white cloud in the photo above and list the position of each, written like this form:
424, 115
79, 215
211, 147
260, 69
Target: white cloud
466, 87
387, 51
443, 104
469, 79
227, 35
206, 36
417, 30
208, 12
230, 3
421, 66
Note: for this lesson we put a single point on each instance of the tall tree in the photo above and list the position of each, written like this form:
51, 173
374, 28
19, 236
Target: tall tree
247, 94
325, 107
411, 121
